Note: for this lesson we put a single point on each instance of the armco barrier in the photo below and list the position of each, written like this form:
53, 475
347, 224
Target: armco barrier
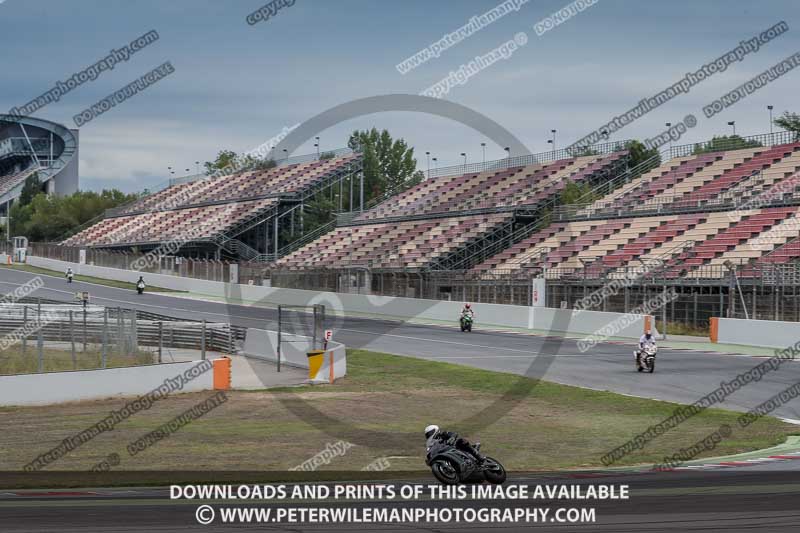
543, 319
57, 387
765, 333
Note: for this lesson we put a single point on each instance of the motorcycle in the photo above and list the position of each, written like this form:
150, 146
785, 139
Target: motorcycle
140, 287
452, 466
466, 323
647, 358
69, 278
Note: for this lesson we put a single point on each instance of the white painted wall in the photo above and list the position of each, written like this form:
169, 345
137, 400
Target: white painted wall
767, 333
263, 344
539, 318
57, 387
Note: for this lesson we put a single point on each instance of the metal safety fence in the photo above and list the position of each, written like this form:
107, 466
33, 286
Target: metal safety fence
44, 335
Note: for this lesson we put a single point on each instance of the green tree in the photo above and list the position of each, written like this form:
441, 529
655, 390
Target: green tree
724, 142
389, 164
574, 193
639, 153
31, 188
318, 211
52, 218
790, 122
225, 159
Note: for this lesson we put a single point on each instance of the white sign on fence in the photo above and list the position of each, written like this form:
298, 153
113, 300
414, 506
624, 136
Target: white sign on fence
328, 334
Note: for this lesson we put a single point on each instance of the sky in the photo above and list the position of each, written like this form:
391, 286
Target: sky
236, 85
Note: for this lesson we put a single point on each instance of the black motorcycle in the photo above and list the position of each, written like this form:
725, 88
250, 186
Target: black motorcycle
466, 323
452, 466
140, 287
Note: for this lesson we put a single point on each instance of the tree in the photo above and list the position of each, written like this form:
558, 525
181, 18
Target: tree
327, 155
389, 164
574, 193
318, 211
724, 142
31, 188
51, 218
790, 122
249, 162
639, 153
225, 159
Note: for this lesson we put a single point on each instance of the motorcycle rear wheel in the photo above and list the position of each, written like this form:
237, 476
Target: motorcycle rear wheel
494, 472
445, 472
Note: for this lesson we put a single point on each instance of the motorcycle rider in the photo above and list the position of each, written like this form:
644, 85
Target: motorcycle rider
467, 310
69, 275
645, 340
140, 283
434, 434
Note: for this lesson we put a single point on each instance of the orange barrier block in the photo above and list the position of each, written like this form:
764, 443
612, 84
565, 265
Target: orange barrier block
222, 373
714, 328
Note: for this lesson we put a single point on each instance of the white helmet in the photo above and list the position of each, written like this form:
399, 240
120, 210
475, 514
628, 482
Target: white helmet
431, 430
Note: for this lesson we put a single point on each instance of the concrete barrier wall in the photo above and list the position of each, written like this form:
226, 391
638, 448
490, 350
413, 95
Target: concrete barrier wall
262, 344
767, 333
57, 387
532, 318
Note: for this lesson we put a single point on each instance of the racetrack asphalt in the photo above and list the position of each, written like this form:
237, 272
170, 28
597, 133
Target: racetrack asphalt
681, 375
658, 502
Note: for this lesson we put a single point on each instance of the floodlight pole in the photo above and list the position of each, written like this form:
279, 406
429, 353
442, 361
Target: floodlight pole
279, 338
361, 179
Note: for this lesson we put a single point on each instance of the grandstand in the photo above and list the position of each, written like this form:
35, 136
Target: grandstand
696, 213
695, 217
236, 216
31, 146
446, 220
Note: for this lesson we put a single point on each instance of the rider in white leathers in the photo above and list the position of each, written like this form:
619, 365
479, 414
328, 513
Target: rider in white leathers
646, 339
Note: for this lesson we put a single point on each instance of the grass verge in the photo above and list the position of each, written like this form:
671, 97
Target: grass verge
547, 426
14, 361
87, 279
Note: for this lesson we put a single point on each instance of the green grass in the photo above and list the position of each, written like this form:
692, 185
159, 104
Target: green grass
88, 279
381, 406
14, 361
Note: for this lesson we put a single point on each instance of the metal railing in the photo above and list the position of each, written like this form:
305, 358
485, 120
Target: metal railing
733, 142
47, 335
526, 160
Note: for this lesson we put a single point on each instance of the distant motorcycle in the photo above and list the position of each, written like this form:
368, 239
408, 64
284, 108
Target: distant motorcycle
69, 278
140, 287
452, 466
647, 358
466, 323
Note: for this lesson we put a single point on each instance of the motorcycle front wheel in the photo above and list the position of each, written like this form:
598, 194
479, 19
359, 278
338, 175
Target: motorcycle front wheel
651, 366
445, 472
494, 472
